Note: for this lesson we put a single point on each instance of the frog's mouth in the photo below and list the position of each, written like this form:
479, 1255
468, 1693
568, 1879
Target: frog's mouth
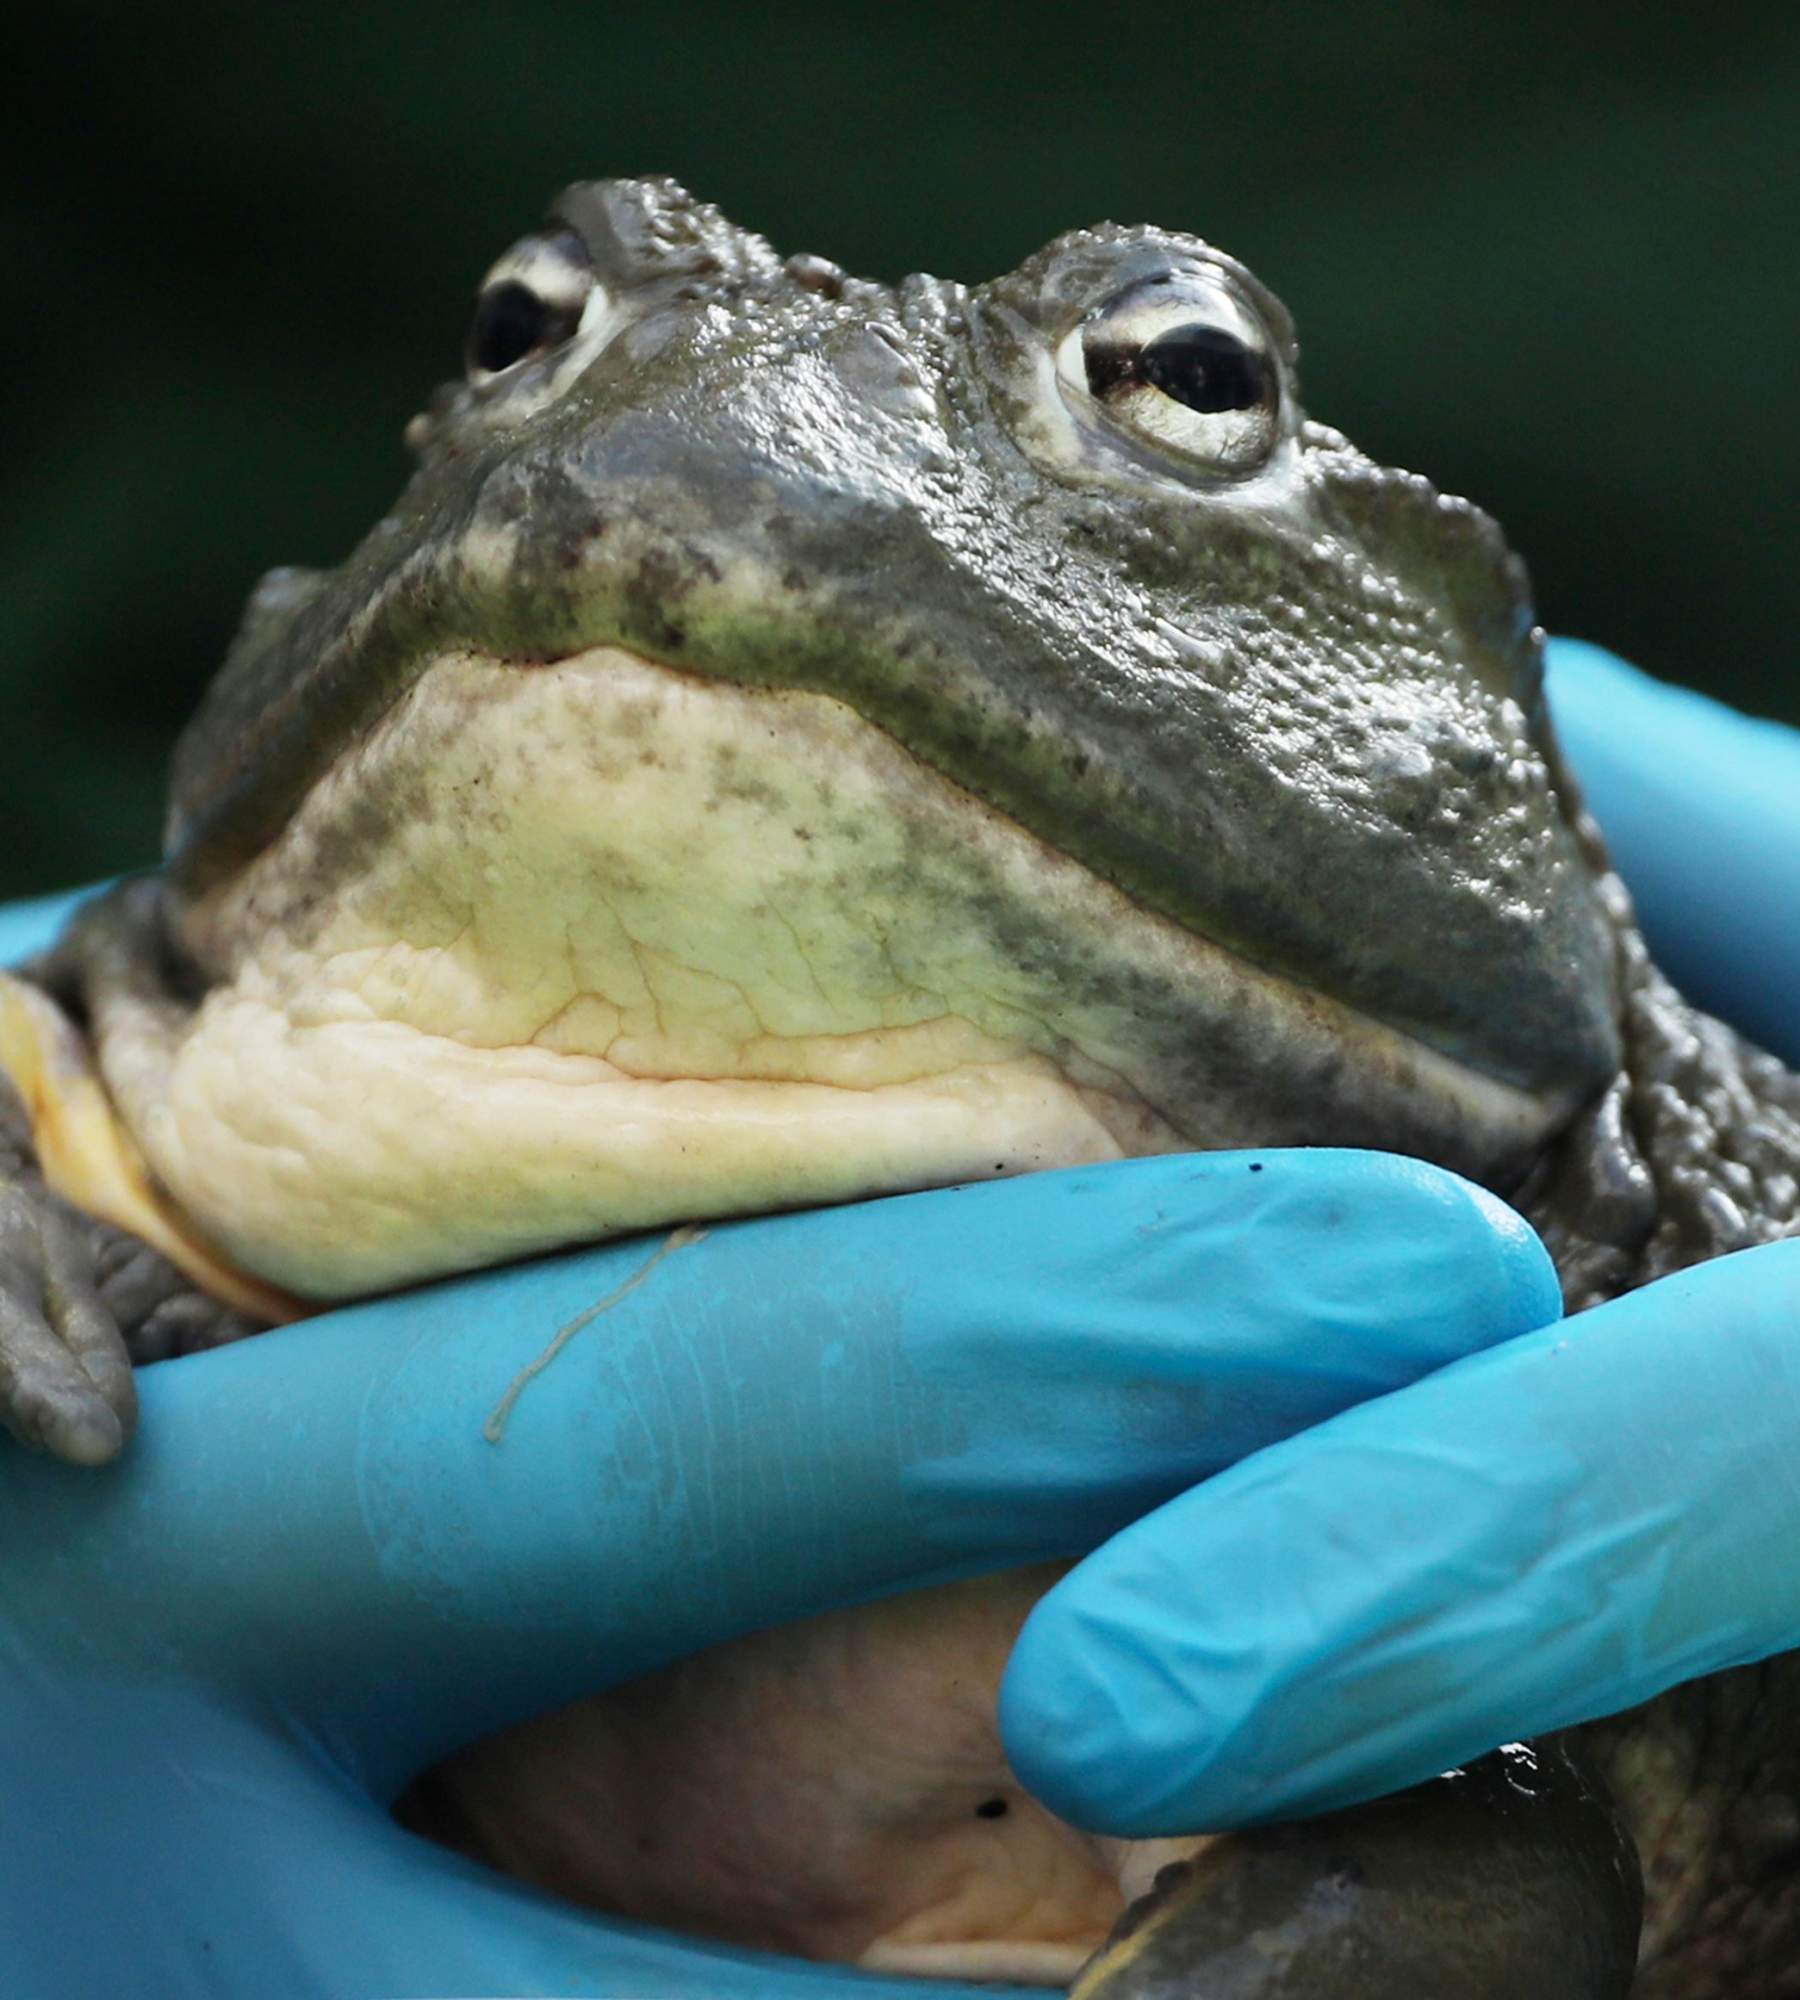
622, 945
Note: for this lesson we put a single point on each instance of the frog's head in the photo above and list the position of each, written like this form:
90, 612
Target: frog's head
797, 737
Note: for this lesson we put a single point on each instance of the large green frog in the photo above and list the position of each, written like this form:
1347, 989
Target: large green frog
797, 738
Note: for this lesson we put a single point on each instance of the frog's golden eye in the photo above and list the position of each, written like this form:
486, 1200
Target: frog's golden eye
1181, 363
530, 302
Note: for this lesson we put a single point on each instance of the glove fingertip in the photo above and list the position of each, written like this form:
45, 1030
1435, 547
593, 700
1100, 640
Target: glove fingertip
1108, 1707
1047, 1707
1440, 1245
1527, 1293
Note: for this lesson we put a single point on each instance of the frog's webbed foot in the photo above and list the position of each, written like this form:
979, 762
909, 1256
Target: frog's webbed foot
65, 1375
1510, 1880
80, 1301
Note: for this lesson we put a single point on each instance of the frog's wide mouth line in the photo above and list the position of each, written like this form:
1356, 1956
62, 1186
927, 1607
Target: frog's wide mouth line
657, 947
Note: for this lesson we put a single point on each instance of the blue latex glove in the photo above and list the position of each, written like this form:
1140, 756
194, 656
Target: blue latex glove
312, 1574
1546, 1533
1701, 808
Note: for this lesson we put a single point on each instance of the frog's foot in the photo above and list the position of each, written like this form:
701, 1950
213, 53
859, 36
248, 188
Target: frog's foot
1510, 1880
65, 1375
81, 1300
159, 1310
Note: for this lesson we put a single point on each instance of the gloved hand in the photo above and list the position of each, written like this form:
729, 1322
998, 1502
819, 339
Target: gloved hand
1549, 1532
1701, 808
312, 1573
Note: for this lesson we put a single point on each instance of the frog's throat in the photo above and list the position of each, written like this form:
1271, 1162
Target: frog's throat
557, 952
86, 1155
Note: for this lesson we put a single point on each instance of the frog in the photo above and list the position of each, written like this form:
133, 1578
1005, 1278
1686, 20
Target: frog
798, 738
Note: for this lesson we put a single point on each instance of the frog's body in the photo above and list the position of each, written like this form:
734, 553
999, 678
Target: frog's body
798, 738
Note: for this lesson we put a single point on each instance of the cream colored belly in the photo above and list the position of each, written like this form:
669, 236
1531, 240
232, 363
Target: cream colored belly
834, 1788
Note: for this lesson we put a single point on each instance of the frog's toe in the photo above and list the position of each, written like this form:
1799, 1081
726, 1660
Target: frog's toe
158, 1308
65, 1377
187, 1322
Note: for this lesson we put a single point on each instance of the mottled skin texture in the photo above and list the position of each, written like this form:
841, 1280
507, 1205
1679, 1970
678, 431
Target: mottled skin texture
1278, 697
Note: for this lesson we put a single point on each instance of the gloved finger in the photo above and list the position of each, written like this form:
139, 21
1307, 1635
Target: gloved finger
782, 1415
1701, 808
224, 1857
1546, 1533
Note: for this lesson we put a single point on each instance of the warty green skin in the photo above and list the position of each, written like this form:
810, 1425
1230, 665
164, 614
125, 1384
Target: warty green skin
1298, 711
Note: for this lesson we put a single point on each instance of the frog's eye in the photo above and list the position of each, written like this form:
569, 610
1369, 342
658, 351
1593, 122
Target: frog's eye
530, 302
1181, 363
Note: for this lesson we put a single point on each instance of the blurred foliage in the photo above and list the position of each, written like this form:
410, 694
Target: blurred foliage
1541, 252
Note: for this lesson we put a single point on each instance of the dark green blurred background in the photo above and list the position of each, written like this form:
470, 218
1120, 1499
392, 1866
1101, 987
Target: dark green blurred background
1544, 257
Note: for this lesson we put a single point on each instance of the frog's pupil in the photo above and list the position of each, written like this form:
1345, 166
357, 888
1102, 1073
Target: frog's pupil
1204, 367
510, 321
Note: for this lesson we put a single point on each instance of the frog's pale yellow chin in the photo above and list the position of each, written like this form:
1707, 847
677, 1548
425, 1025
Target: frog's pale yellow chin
561, 951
